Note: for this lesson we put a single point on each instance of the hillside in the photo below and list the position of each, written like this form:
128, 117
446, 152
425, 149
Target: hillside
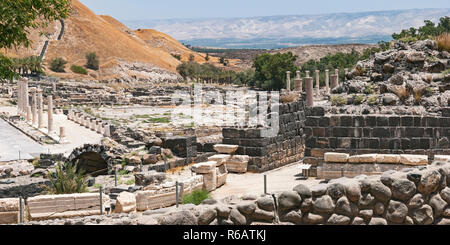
123, 53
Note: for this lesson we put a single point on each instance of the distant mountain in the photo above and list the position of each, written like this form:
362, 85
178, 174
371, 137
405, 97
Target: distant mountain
288, 31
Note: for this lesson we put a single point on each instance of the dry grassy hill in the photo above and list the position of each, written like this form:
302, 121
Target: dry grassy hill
115, 44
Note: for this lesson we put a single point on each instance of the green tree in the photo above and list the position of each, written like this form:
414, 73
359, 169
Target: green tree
17, 18
207, 57
58, 65
270, 70
92, 61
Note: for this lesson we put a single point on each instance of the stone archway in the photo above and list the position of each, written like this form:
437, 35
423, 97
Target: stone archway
93, 159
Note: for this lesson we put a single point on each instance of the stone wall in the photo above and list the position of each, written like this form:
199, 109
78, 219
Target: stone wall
267, 153
366, 134
412, 196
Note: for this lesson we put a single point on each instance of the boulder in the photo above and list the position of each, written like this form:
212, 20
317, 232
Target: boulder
380, 191
403, 189
345, 207
147, 220
178, 218
266, 203
423, 215
352, 190
247, 208
397, 79
366, 214
293, 217
415, 57
366, 201
337, 219
150, 159
336, 190
319, 190
223, 211
336, 157
445, 194
261, 215
148, 178
237, 218
207, 215
416, 201
323, 204
414, 160
358, 221
377, 221
379, 208
303, 191
289, 200
225, 149
429, 182
443, 222
438, 205
306, 205
396, 212
312, 219
125, 203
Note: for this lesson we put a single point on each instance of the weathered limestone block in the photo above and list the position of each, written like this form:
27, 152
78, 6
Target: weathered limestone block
66, 206
210, 180
445, 158
336, 157
237, 163
9, 217
388, 158
204, 167
226, 149
9, 204
222, 174
219, 158
125, 203
414, 160
148, 178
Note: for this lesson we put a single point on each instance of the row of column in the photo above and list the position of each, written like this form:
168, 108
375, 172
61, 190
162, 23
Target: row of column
34, 113
90, 123
330, 83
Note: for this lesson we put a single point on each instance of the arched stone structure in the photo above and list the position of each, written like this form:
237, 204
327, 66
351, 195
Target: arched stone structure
94, 159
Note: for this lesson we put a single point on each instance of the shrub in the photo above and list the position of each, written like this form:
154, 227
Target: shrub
78, 69
196, 197
338, 100
191, 58
67, 180
358, 99
369, 89
58, 65
92, 61
176, 56
443, 42
373, 100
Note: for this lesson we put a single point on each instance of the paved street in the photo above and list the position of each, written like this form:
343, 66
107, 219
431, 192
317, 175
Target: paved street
12, 141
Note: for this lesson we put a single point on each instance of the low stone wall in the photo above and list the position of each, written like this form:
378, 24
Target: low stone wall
9, 211
165, 195
65, 206
384, 134
267, 153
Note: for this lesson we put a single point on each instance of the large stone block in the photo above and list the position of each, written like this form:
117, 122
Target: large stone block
226, 149
445, 158
9, 217
414, 160
125, 203
9, 204
237, 163
204, 167
336, 157
388, 158
219, 158
210, 181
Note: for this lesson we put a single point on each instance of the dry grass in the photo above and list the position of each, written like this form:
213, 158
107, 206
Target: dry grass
443, 42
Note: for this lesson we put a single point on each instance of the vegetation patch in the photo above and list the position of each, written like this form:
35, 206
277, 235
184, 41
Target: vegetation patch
196, 197
337, 100
78, 70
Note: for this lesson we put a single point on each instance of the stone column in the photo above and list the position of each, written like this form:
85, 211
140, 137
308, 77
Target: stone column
345, 74
288, 81
26, 97
336, 72
317, 83
309, 91
54, 87
334, 81
327, 80
29, 114
62, 135
50, 114
307, 73
93, 124
107, 130
40, 111
298, 83
34, 108
19, 97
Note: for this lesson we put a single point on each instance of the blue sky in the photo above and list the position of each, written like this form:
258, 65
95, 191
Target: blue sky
176, 9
